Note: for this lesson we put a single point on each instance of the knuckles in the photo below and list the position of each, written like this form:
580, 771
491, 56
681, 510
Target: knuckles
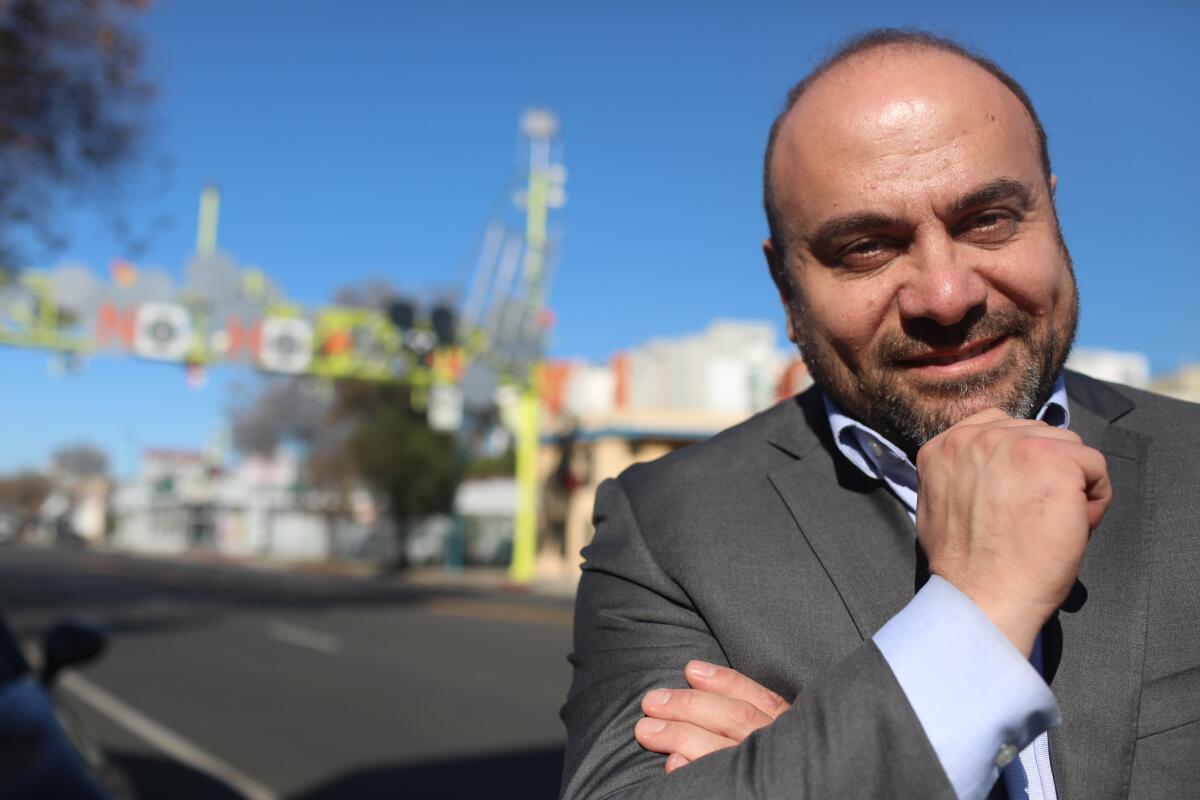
952, 446
1032, 453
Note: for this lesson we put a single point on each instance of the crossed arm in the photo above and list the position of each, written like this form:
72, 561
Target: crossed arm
852, 734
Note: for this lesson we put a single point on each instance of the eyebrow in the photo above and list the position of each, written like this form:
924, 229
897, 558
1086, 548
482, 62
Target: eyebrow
1008, 189
830, 230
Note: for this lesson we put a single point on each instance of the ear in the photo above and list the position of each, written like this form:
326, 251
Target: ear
1053, 183
776, 267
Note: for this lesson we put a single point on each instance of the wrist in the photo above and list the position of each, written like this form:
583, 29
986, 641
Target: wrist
1019, 625
1020, 622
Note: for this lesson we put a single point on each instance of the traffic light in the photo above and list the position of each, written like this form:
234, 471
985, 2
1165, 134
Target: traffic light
444, 323
402, 313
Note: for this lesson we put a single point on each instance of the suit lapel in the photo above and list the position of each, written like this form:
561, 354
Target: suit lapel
859, 532
1098, 637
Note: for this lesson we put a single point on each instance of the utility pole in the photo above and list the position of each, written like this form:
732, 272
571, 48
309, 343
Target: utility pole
540, 126
206, 225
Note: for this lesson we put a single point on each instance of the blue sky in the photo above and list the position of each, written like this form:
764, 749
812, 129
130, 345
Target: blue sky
360, 139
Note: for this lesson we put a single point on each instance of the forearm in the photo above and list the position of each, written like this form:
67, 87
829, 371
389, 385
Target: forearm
854, 735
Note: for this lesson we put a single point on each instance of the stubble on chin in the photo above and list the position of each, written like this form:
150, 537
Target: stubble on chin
910, 412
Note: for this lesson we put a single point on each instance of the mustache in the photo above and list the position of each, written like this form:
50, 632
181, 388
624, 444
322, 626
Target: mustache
919, 337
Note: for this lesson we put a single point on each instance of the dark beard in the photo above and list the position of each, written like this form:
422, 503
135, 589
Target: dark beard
890, 406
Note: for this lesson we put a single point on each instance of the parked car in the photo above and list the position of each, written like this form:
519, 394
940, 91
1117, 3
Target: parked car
45, 751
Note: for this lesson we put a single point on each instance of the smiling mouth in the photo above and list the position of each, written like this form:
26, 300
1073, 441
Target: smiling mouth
946, 359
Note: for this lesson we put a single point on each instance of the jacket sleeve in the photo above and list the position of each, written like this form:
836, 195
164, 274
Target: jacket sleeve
851, 735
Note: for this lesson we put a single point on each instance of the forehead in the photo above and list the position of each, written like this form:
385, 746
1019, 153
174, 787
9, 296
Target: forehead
895, 127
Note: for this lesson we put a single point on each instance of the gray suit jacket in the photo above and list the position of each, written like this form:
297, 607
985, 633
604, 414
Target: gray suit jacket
764, 550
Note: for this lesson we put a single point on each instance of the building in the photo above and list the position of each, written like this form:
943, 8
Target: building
646, 402
1183, 384
1131, 369
185, 501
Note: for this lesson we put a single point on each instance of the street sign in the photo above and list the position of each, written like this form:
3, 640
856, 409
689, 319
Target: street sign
445, 407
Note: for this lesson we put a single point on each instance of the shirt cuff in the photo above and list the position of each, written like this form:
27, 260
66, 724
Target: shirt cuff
976, 696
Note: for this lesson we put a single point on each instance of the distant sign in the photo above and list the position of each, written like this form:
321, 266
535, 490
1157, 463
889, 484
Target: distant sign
445, 407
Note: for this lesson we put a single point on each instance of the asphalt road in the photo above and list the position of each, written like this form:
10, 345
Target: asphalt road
226, 682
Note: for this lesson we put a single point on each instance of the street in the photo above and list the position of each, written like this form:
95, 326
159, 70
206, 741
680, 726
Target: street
225, 682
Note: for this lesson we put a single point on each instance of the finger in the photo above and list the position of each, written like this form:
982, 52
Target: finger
690, 741
1041, 429
734, 685
675, 761
1097, 485
1032, 427
735, 719
1093, 469
985, 416
979, 425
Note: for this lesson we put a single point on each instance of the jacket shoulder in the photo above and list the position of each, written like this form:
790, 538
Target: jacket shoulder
745, 451
1147, 413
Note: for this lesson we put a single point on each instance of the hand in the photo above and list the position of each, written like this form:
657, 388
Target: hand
721, 709
1004, 512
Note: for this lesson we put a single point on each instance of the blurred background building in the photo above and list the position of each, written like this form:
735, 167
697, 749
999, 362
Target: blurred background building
646, 402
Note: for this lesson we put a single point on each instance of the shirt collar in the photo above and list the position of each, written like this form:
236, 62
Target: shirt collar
878, 458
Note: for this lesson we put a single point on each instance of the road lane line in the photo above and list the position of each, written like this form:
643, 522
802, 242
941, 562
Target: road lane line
509, 612
161, 737
303, 637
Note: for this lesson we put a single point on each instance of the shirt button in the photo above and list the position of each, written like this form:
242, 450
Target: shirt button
1007, 753
875, 447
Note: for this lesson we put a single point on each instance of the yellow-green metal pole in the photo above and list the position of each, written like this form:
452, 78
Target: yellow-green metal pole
525, 529
206, 225
525, 525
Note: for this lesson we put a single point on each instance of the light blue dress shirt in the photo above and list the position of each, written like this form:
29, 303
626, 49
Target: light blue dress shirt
984, 708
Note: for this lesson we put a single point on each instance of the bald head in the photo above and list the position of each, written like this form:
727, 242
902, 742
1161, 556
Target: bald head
886, 76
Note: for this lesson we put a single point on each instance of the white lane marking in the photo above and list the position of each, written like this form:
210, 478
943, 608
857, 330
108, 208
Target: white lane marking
166, 740
303, 637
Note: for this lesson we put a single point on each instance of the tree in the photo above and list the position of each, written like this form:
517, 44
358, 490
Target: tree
79, 461
387, 445
72, 98
21, 495
358, 434
363, 434
287, 409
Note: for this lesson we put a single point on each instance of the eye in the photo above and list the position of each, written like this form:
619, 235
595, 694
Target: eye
993, 226
867, 253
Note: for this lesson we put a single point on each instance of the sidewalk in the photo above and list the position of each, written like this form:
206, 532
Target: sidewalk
485, 578
488, 578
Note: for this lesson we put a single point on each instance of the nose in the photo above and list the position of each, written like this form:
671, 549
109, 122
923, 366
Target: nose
942, 284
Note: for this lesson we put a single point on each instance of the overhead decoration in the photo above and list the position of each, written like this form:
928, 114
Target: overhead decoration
285, 345
223, 314
163, 331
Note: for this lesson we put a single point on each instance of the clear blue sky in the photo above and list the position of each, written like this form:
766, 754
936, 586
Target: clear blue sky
359, 139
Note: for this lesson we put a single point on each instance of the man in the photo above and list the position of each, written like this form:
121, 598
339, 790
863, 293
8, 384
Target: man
785, 611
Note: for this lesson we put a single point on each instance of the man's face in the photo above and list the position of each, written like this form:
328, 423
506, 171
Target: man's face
928, 278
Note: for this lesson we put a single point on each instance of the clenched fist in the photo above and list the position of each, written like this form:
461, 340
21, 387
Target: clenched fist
1004, 511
